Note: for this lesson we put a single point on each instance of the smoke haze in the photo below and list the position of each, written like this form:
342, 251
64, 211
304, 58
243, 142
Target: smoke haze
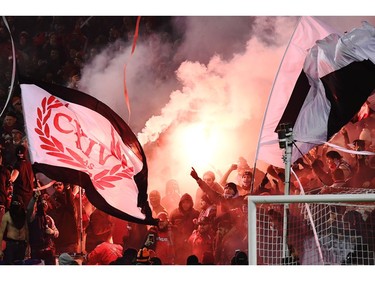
198, 100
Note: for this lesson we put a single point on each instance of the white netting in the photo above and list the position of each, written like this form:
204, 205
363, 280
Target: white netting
344, 233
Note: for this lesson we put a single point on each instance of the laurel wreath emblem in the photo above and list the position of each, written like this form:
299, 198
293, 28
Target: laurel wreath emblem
102, 180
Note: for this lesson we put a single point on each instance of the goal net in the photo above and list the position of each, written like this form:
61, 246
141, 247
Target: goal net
335, 229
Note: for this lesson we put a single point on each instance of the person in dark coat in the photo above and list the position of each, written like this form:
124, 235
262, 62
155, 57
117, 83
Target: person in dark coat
64, 214
99, 229
22, 176
182, 223
227, 201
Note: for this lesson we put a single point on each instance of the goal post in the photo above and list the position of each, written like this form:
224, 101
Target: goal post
254, 201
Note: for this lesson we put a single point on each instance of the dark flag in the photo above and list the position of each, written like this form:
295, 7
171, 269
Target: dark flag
75, 138
336, 80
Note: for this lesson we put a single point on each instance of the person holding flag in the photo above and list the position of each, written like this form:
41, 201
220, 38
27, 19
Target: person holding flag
75, 138
42, 229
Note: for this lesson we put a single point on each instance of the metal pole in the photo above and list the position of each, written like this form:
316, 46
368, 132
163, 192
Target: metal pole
252, 223
81, 219
285, 134
316, 198
288, 154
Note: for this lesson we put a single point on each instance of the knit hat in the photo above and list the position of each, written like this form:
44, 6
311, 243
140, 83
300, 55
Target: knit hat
232, 186
333, 154
65, 259
241, 258
248, 173
192, 260
143, 255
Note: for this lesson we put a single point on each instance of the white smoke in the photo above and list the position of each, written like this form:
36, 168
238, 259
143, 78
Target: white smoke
195, 102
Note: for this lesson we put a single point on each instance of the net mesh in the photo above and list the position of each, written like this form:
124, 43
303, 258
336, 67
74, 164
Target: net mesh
317, 233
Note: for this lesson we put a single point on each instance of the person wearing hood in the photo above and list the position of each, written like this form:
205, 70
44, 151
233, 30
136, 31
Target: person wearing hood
182, 224
14, 225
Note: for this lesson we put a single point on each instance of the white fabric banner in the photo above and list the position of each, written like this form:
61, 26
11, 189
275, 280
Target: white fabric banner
328, 55
307, 32
73, 136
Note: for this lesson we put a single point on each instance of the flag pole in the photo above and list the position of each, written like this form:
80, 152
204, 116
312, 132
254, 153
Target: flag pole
261, 130
268, 103
285, 134
13, 68
81, 219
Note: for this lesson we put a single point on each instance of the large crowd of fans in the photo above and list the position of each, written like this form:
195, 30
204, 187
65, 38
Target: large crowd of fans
56, 224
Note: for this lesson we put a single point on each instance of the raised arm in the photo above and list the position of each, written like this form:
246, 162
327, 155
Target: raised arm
31, 210
224, 178
212, 194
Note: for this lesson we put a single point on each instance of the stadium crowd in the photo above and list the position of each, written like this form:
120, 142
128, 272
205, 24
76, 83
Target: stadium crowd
56, 224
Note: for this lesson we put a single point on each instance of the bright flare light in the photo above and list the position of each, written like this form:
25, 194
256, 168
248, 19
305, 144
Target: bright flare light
198, 144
